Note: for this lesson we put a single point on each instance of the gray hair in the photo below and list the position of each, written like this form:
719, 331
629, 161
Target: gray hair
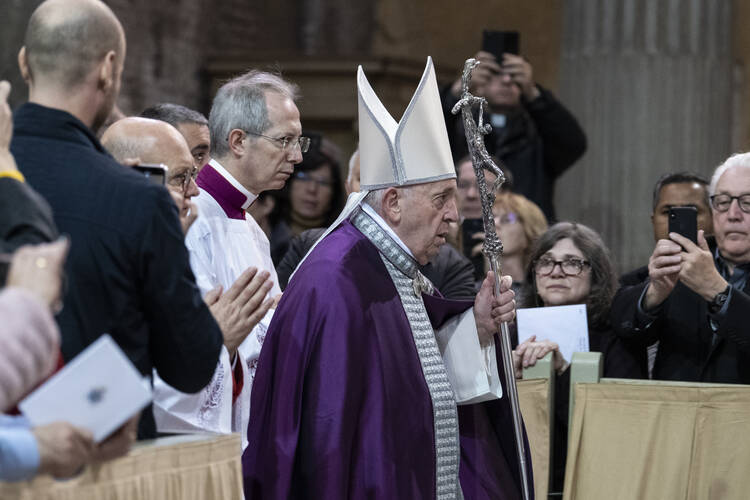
241, 104
375, 197
736, 160
174, 114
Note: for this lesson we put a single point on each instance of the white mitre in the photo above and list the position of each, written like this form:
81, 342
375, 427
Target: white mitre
413, 151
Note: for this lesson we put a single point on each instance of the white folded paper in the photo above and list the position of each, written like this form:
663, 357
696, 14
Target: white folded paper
99, 390
565, 325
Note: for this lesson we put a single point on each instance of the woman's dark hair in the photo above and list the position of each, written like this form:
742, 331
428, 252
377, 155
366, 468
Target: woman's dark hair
594, 250
321, 152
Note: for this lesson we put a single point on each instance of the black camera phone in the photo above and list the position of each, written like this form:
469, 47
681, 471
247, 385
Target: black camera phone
498, 43
684, 221
156, 173
470, 227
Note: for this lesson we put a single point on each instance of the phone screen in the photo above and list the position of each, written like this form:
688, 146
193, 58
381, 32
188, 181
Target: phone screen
684, 221
499, 42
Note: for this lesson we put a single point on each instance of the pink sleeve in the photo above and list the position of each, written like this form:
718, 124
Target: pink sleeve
29, 344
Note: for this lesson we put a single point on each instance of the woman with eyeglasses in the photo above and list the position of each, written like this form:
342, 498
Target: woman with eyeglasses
313, 196
518, 222
570, 264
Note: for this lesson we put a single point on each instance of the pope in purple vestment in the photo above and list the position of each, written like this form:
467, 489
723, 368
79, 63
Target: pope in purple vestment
340, 407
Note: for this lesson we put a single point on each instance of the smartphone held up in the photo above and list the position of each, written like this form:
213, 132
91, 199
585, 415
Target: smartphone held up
684, 221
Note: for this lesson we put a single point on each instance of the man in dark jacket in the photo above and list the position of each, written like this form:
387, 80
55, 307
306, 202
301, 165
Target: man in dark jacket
696, 300
128, 271
674, 189
532, 133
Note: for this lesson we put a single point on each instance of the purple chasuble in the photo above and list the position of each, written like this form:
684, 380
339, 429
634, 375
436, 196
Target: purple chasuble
340, 408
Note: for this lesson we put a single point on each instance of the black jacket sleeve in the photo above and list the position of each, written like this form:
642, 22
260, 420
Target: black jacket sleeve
563, 138
626, 322
298, 248
25, 219
185, 339
733, 325
451, 273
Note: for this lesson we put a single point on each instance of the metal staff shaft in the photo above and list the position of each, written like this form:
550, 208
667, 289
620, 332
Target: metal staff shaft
505, 347
493, 247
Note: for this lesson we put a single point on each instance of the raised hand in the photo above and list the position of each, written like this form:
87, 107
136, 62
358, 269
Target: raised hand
664, 267
697, 270
240, 308
521, 73
7, 163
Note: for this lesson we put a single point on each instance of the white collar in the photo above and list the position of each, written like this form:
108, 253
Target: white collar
384, 225
234, 182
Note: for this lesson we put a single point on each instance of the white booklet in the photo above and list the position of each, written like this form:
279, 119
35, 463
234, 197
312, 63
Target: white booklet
99, 390
565, 325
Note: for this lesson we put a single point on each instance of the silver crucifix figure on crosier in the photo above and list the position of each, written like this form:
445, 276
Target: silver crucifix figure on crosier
493, 247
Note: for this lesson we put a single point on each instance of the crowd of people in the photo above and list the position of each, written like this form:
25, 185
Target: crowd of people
354, 380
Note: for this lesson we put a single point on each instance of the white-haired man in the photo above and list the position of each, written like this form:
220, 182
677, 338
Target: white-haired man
359, 391
696, 302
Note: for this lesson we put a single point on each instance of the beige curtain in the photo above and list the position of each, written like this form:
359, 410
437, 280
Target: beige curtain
533, 397
204, 469
658, 442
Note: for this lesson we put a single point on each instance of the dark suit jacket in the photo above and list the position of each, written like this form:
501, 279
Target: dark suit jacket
25, 219
450, 272
128, 271
687, 350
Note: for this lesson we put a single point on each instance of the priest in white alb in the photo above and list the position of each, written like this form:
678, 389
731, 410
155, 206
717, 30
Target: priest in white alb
255, 143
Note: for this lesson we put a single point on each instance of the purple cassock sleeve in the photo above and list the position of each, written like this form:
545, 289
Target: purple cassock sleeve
339, 407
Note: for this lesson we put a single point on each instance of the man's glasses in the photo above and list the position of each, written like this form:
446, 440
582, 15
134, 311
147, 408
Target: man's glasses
722, 202
307, 178
284, 142
571, 266
183, 179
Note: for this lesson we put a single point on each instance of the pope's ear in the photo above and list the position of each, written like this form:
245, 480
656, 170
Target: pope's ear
391, 205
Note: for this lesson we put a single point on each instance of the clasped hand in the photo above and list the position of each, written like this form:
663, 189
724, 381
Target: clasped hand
490, 311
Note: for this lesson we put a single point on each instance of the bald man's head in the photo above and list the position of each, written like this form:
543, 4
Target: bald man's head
152, 141
66, 39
